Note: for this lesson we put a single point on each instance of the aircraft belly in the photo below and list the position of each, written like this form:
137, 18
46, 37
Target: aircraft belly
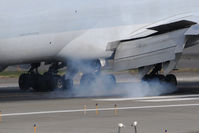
33, 48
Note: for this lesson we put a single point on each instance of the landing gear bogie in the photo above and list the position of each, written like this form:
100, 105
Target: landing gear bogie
170, 79
49, 81
154, 75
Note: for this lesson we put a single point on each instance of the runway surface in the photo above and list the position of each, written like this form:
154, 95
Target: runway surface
177, 112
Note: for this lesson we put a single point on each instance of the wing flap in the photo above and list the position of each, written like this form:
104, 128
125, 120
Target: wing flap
158, 43
145, 59
144, 52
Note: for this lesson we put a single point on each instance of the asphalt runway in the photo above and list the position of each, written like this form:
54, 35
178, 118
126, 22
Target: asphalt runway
176, 112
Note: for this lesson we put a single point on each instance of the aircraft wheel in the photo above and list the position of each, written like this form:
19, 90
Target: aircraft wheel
68, 84
40, 84
147, 78
25, 81
59, 82
56, 82
171, 79
87, 79
161, 78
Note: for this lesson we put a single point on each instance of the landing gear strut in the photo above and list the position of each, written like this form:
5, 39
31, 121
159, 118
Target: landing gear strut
154, 75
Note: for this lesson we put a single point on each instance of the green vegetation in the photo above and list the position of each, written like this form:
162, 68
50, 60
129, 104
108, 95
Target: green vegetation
16, 74
187, 70
11, 74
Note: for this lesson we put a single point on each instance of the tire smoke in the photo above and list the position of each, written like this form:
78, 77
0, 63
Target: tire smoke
103, 84
101, 88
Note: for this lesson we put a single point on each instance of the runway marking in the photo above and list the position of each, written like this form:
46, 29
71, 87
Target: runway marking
100, 109
146, 98
9, 85
168, 100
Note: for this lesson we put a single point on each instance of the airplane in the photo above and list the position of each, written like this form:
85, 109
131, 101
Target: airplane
148, 35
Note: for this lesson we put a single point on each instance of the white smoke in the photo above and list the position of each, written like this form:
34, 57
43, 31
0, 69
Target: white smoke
101, 88
127, 85
136, 89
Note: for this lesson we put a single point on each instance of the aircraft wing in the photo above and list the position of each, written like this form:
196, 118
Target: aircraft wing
162, 43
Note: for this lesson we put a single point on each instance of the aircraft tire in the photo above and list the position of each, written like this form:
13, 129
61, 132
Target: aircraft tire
87, 80
41, 84
68, 84
25, 82
147, 78
161, 78
56, 82
171, 79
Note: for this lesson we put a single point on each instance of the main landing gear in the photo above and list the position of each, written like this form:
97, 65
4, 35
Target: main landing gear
154, 75
42, 82
50, 80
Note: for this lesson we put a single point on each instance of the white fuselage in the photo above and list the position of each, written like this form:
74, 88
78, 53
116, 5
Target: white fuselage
39, 30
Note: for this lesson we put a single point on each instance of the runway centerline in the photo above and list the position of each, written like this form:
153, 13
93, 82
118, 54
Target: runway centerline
100, 109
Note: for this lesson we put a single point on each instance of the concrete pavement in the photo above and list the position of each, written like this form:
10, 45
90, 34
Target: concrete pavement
54, 113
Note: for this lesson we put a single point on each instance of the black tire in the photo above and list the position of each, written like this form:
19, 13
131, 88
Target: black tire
161, 78
68, 84
147, 78
171, 79
25, 82
87, 80
56, 82
41, 83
